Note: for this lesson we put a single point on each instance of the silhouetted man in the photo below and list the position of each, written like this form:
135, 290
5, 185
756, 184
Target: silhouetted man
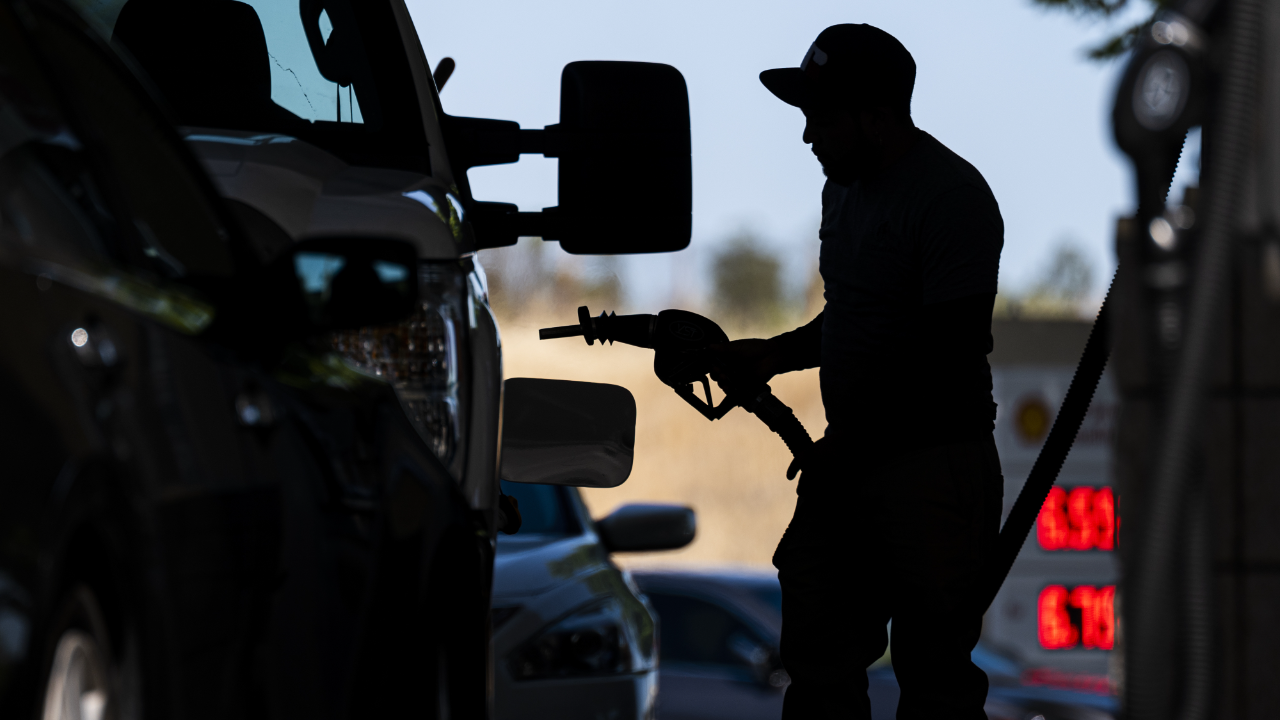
899, 503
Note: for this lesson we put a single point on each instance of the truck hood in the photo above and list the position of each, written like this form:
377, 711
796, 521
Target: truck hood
310, 192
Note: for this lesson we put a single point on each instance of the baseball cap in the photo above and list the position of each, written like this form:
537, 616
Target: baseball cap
847, 64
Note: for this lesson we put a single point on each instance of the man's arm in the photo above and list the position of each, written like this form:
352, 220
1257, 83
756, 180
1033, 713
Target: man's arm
799, 349
759, 360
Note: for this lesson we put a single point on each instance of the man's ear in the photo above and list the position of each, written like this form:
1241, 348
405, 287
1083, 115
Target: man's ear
877, 120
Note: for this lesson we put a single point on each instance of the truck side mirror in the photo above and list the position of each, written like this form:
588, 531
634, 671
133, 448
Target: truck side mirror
561, 432
626, 174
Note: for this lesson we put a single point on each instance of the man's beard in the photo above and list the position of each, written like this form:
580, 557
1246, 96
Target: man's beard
841, 170
854, 163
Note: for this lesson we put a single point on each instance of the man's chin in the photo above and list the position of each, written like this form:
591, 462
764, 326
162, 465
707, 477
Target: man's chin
839, 173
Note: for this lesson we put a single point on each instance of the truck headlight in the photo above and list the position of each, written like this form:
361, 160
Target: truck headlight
594, 640
420, 356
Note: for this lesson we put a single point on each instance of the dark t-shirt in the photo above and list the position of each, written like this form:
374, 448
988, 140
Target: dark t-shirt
909, 262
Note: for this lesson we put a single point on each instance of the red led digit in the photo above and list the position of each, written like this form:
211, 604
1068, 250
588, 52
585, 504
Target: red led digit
1104, 518
1082, 519
1056, 630
1097, 628
1085, 597
1080, 515
1052, 526
1106, 614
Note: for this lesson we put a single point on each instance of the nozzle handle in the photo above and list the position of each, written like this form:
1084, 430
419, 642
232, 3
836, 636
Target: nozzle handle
563, 331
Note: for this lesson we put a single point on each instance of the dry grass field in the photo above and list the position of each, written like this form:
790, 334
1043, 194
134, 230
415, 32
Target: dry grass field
732, 471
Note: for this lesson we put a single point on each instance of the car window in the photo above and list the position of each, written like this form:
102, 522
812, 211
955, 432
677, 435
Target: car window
174, 229
52, 209
692, 630
332, 72
544, 509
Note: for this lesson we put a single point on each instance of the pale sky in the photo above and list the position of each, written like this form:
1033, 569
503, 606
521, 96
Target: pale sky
1001, 82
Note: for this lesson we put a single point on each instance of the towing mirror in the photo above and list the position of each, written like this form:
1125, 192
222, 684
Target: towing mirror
644, 528
560, 432
626, 178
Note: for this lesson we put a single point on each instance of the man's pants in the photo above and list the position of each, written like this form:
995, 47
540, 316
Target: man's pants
905, 541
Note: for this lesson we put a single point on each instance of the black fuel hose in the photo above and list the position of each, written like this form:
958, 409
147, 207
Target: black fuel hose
779, 418
1054, 453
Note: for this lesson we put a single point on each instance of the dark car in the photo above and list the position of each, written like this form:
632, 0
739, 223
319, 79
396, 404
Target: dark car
719, 659
573, 637
203, 512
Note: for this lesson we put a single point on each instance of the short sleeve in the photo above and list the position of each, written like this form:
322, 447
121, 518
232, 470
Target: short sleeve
961, 235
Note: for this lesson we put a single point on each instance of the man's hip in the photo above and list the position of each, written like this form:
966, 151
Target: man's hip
935, 510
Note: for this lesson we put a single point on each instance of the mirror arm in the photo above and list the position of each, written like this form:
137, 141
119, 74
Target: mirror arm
476, 142
499, 224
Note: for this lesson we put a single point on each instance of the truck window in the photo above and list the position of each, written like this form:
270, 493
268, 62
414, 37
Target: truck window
332, 72
296, 82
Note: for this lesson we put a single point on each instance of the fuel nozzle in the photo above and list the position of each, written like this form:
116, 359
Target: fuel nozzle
628, 329
668, 330
678, 338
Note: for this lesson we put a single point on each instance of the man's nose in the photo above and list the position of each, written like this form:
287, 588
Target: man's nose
808, 133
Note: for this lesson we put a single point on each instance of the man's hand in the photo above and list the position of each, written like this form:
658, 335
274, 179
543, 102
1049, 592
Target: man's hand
818, 460
753, 360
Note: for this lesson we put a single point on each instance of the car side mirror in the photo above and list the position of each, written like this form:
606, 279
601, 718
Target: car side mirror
645, 528
626, 174
328, 285
561, 432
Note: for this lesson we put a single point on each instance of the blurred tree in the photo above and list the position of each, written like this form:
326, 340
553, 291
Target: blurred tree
815, 299
1069, 274
748, 282
529, 280
1117, 44
1060, 292
519, 276
593, 282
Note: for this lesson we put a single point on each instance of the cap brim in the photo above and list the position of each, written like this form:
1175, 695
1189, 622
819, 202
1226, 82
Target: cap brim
789, 84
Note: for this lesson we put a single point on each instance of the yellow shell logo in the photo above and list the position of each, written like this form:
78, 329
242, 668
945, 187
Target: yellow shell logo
1031, 419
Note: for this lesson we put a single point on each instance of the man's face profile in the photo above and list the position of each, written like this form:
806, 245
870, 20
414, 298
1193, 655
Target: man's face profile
840, 143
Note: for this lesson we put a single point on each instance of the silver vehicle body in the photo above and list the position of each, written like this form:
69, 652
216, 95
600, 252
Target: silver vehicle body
540, 578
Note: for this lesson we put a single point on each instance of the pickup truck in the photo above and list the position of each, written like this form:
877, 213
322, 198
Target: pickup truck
322, 119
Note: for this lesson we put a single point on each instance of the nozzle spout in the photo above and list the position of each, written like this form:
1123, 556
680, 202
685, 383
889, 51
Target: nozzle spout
564, 331
630, 329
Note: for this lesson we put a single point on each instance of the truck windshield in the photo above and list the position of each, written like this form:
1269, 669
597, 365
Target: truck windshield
332, 72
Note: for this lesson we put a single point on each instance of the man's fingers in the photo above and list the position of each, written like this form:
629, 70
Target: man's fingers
809, 460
